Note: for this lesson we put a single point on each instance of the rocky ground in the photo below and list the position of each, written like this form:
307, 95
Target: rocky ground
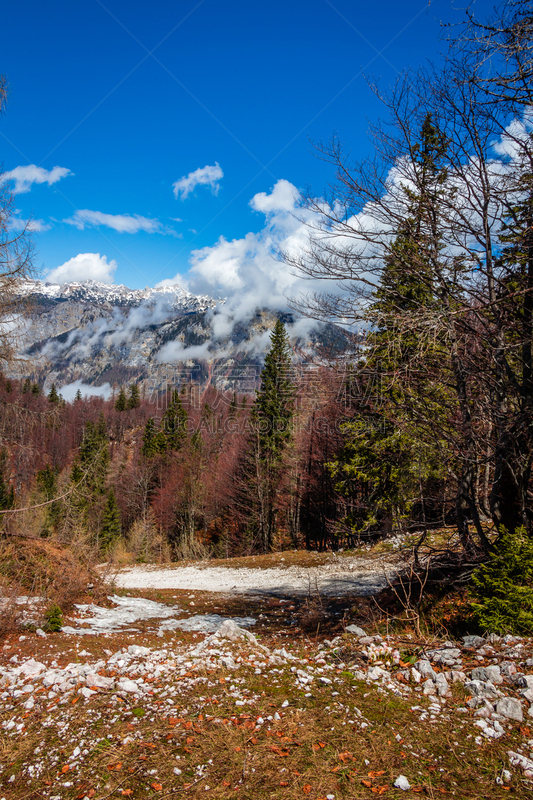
201, 694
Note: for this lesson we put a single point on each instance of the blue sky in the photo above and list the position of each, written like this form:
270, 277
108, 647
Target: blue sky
165, 120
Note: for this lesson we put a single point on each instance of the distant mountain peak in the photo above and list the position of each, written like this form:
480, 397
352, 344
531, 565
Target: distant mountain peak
91, 291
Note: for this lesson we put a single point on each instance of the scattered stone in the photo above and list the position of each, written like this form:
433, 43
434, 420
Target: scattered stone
356, 630
442, 685
473, 641
402, 783
510, 708
425, 669
518, 760
491, 673
415, 675
126, 685
507, 668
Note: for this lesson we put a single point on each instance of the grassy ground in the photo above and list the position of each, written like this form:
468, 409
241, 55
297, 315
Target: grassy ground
253, 732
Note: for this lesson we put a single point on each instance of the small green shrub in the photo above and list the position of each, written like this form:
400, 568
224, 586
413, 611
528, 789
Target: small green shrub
54, 618
503, 587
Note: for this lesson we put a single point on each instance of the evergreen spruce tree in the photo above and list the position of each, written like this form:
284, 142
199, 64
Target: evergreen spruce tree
513, 422
36, 389
47, 481
111, 525
174, 423
26, 386
233, 406
89, 473
53, 395
387, 457
7, 493
78, 396
271, 418
154, 440
503, 587
134, 399
273, 408
121, 401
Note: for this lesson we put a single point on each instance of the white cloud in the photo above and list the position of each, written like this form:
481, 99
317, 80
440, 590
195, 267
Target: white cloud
70, 390
123, 223
84, 267
248, 274
283, 197
24, 177
18, 224
205, 176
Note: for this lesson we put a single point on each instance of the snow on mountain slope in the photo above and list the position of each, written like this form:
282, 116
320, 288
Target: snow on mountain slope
116, 295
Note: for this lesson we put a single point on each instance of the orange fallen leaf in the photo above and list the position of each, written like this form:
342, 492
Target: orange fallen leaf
190, 739
65, 768
226, 783
345, 756
237, 749
284, 783
127, 792
366, 783
172, 720
280, 751
379, 789
156, 787
74, 700
376, 774
254, 740
307, 788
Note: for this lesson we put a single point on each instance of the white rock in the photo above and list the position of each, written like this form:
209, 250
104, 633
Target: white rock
510, 708
425, 669
31, 668
100, 681
126, 685
402, 783
518, 760
428, 687
356, 630
375, 673
137, 650
415, 675
442, 685
40, 632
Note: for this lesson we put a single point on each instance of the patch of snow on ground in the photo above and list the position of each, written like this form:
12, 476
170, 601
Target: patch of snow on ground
128, 610
362, 575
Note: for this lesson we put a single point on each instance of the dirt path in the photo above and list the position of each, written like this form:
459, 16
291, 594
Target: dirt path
335, 576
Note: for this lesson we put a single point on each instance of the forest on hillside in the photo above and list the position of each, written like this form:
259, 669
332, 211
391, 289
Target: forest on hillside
430, 245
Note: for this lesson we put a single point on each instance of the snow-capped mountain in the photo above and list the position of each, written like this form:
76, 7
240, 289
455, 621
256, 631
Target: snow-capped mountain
102, 333
115, 295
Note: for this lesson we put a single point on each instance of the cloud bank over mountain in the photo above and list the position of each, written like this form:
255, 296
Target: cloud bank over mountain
84, 267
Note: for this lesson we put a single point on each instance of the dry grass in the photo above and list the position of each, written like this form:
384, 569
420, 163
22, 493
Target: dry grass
312, 747
42, 568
